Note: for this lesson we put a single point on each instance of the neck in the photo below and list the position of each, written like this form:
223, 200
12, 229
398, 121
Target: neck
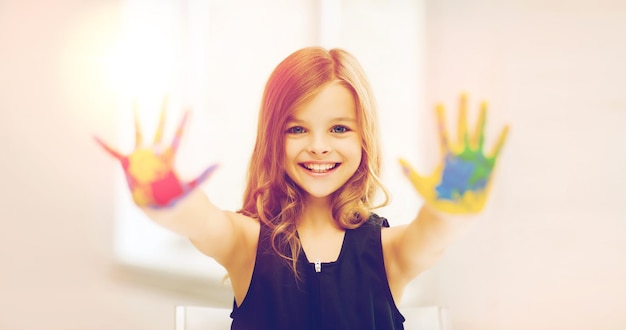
317, 214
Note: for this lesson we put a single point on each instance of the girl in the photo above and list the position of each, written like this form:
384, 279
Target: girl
305, 251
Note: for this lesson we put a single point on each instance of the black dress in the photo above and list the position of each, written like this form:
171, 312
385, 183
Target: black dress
350, 293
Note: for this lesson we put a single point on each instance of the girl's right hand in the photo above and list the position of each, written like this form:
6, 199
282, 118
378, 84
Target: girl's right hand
149, 170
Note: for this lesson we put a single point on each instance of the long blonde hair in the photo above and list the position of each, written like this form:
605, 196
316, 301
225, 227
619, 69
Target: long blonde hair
270, 195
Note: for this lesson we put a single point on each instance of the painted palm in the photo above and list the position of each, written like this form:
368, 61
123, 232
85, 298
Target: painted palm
460, 183
149, 170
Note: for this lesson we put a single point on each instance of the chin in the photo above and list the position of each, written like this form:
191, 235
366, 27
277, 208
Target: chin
320, 192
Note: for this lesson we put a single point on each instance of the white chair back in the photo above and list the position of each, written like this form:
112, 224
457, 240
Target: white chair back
211, 318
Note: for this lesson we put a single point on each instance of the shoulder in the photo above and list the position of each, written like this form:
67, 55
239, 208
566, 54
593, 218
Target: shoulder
244, 240
373, 227
389, 234
374, 221
378, 221
247, 227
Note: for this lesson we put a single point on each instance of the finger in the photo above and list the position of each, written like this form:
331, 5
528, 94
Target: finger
478, 139
441, 127
501, 139
179, 133
158, 136
418, 181
202, 177
406, 166
462, 124
408, 170
108, 149
138, 135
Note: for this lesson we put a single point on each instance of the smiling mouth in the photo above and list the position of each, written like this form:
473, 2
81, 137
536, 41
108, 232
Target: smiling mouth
319, 168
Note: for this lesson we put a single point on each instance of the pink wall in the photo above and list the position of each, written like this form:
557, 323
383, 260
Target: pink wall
56, 193
550, 251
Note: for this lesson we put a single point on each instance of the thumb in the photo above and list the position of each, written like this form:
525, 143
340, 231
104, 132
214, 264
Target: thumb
202, 177
423, 185
409, 172
108, 149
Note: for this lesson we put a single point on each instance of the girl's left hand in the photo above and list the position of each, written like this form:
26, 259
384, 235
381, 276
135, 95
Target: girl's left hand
460, 183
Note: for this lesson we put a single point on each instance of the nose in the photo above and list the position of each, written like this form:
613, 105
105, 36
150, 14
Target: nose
319, 145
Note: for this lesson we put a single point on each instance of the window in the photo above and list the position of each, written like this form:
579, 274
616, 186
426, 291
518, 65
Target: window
215, 57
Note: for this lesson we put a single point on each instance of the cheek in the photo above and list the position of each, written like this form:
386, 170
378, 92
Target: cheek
359, 155
355, 149
289, 152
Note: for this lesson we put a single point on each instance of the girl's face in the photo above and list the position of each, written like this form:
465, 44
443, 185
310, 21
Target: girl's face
322, 143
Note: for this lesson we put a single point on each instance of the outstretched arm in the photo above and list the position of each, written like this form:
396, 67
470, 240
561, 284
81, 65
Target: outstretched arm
171, 202
453, 194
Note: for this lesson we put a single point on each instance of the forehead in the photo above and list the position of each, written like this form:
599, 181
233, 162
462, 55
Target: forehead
334, 101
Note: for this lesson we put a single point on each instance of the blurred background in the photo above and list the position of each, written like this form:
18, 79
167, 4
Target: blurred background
548, 252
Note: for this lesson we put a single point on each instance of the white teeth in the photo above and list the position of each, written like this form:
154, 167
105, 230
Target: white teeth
319, 168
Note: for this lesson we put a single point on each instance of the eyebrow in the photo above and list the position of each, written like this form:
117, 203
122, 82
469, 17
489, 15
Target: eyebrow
291, 119
345, 119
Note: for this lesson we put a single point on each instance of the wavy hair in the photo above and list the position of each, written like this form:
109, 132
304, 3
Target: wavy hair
270, 195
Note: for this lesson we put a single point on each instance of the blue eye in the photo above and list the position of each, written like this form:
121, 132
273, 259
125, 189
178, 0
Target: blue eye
295, 130
339, 129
